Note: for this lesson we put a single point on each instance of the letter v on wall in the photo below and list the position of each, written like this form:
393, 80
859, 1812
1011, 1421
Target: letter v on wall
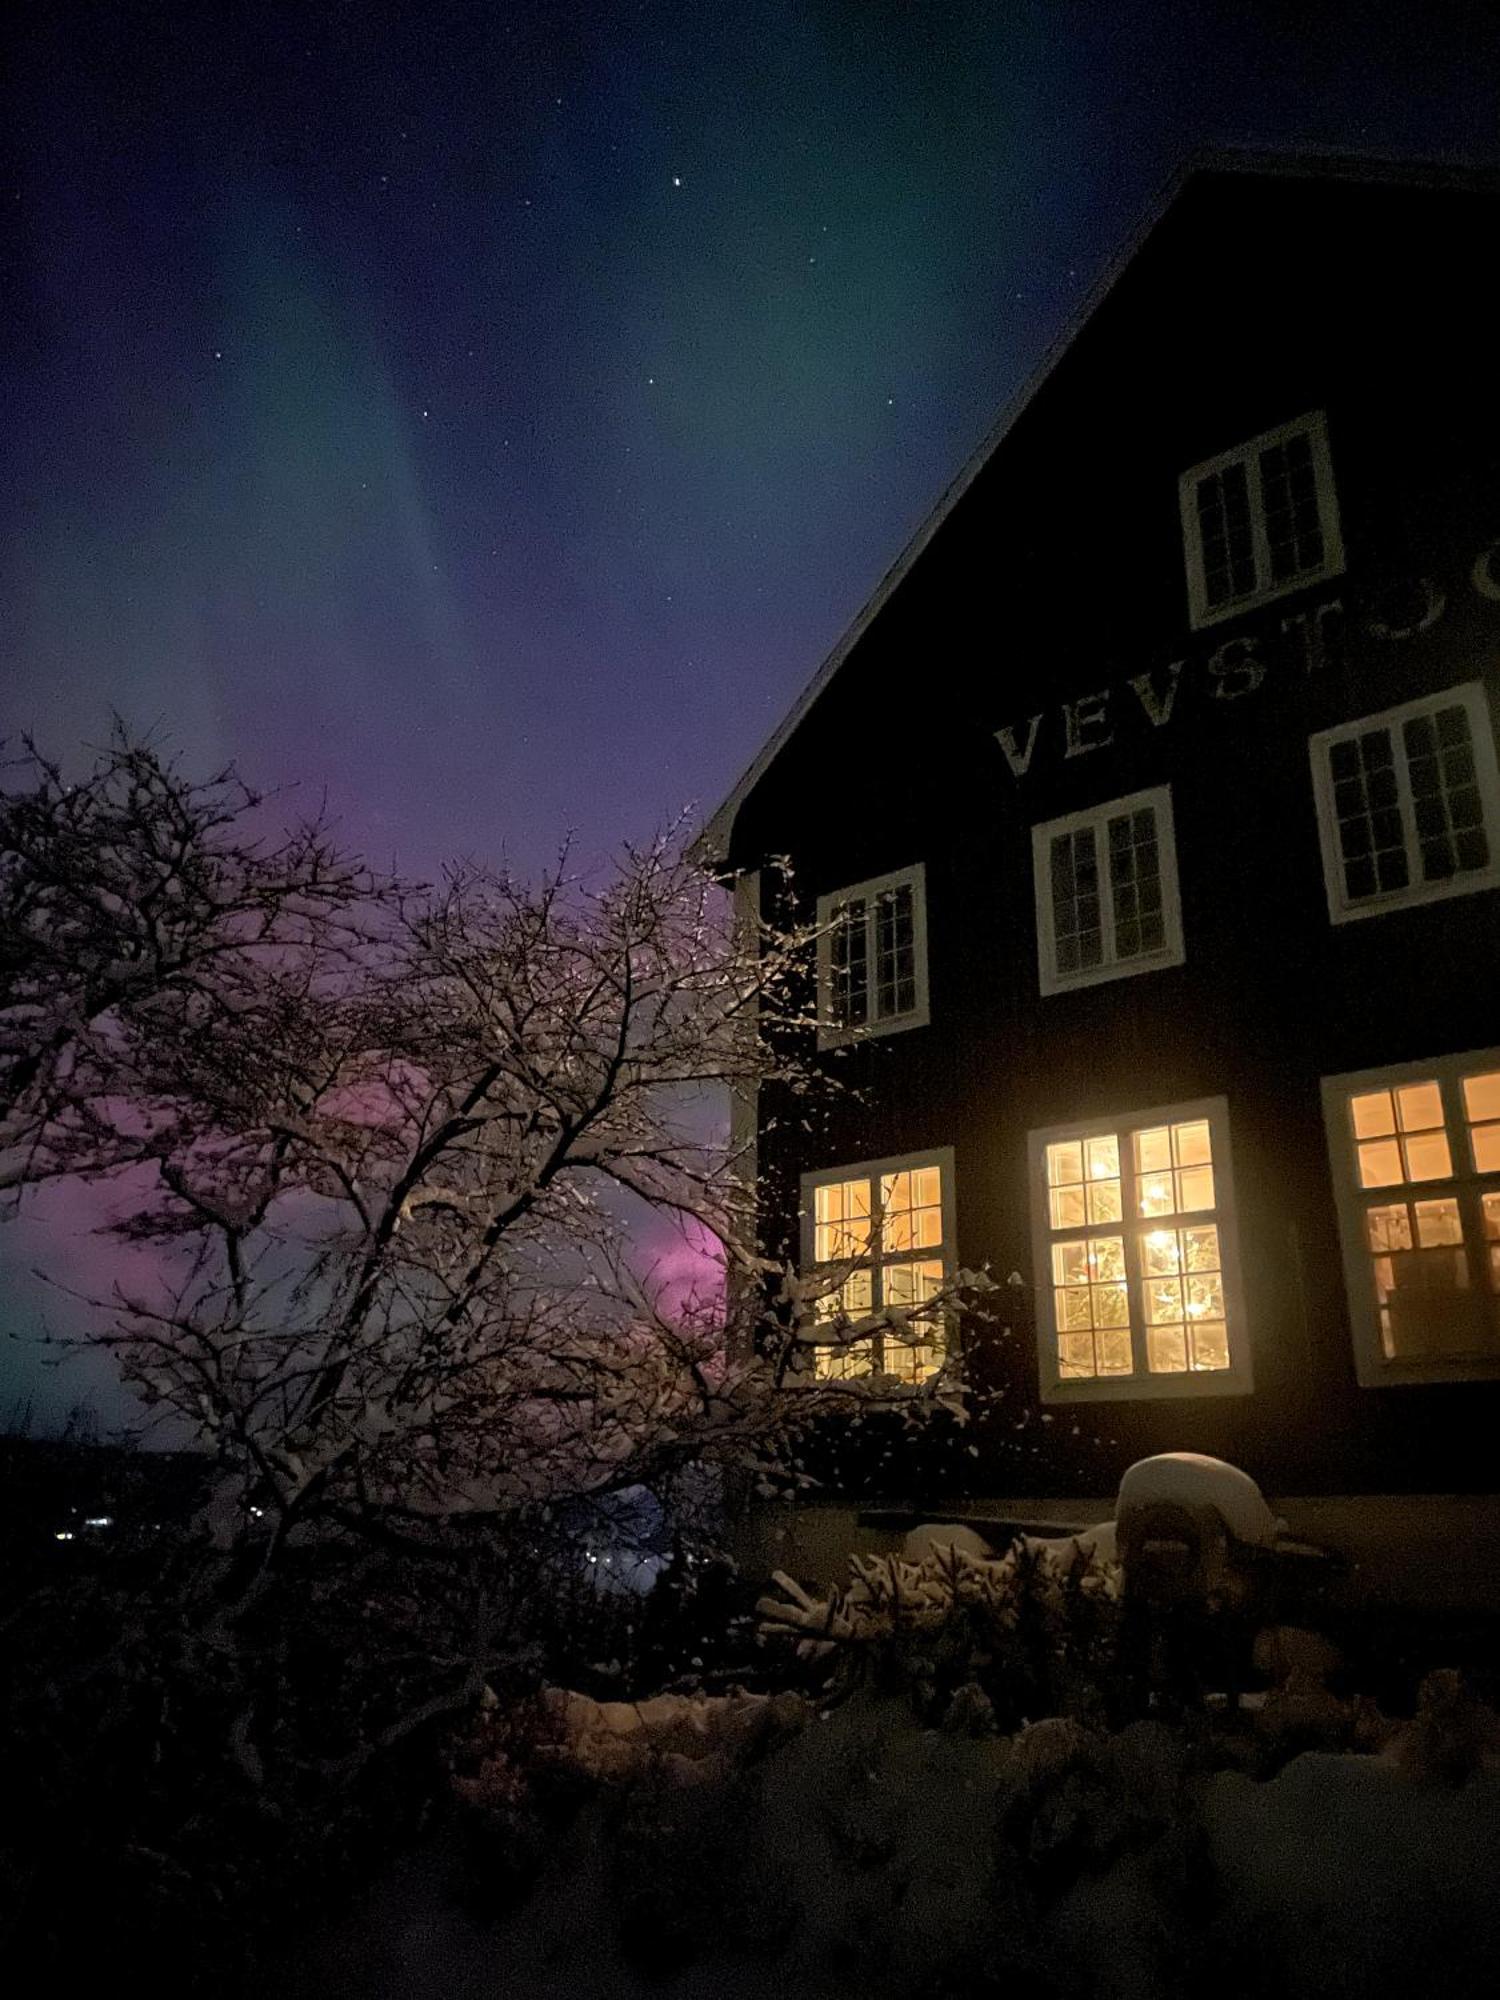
1017, 756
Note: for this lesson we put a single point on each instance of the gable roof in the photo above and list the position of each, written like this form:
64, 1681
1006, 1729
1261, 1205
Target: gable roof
712, 844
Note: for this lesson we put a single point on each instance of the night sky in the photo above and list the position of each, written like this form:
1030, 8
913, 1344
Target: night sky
493, 413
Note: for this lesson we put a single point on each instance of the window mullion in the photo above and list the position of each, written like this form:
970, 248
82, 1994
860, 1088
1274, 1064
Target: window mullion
1099, 831
1130, 1219
1415, 876
1260, 541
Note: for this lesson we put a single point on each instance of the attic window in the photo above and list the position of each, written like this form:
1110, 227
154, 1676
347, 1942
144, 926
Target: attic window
1260, 521
872, 958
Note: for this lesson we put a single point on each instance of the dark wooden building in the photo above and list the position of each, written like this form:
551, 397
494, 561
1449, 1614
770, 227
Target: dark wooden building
1152, 812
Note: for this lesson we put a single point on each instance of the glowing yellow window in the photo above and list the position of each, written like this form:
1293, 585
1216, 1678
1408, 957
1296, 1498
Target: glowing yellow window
1092, 1306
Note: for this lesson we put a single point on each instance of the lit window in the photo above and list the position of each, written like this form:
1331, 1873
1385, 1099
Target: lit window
1409, 804
1106, 892
1416, 1160
1135, 1237
872, 957
880, 1239
1259, 521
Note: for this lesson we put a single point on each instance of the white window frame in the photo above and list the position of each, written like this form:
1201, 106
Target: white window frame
1315, 427
1141, 1386
940, 1157
1171, 952
1470, 695
1371, 1368
832, 1036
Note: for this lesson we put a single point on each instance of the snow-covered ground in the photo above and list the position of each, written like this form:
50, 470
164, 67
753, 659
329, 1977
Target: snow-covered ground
863, 1854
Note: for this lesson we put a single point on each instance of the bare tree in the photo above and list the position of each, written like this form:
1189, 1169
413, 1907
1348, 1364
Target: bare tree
391, 1143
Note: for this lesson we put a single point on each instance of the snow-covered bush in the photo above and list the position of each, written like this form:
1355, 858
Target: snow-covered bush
974, 1641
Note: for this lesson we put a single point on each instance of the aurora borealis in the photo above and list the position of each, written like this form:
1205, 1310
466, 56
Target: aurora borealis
492, 413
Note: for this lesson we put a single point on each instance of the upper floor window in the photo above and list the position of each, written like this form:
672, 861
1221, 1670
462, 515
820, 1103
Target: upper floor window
872, 957
1106, 892
1260, 520
1416, 1167
1408, 804
880, 1236
1137, 1289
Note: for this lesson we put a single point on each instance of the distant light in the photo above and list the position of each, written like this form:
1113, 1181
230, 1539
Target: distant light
677, 180
100, 1521
258, 1512
65, 1534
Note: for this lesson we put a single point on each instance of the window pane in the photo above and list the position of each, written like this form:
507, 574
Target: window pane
1111, 1305
1389, 1228
1154, 1192
1166, 1350
1163, 1301
852, 1299
1066, 1207
1104, 1157
1070, 1264
1075, 1356
1486, 1148
1438, 1223
1200, 1248
1161, 1253
1065, 1163
1104, 1201
1113, 1348
844, 1364
1419, 1107
911, 1361
1482, 1095
1427, 1156
907, 1285
1107, 1257
1380, 1163
1195, 1188
1210, 1345
1191, 1144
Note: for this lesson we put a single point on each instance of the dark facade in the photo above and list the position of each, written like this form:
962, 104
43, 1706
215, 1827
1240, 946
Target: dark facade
1082, 627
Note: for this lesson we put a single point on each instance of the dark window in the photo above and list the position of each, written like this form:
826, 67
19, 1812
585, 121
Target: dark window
1289, 495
